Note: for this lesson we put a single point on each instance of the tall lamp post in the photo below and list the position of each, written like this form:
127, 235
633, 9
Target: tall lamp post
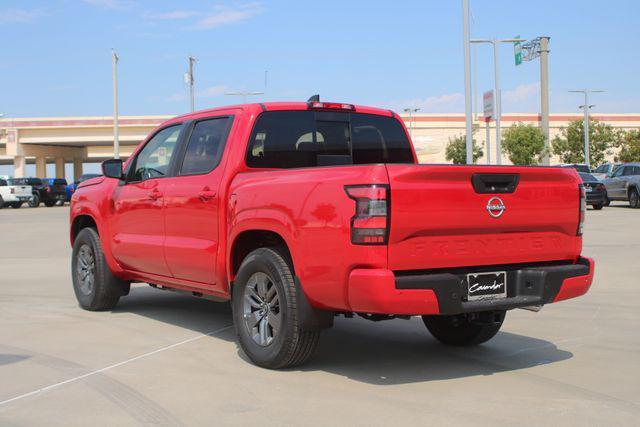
585, 124
116, 130
467, 81
498, 96
411, 111
188, 78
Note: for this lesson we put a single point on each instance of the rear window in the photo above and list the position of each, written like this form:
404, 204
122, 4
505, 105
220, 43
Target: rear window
296, 139
60, 181
587, 177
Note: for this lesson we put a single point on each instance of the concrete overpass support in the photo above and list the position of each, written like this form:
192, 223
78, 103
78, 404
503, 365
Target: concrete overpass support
41, 167
19, 166
60, 167
77, 168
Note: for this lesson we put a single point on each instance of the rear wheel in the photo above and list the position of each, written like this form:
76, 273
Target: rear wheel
598, 206
60, 203
1, 202
607, 202
49, 203
465, 329
96, 288
265, 312
634, 198
35, 200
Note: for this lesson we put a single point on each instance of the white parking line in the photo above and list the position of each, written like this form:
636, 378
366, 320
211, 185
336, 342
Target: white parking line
106, 368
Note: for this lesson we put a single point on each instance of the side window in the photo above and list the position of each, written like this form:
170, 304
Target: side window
628, 171
154, 159
619, 171
602, 169
3, 183
205, 146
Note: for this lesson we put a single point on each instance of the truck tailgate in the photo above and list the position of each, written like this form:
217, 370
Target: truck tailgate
439, 216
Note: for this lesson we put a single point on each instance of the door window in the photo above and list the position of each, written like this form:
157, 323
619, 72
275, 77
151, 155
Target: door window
205, 146
618, 172
154, 159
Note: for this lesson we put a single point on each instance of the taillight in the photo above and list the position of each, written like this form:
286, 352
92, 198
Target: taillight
12, 191
599, 187
370, 224
313, 105
583, 209
47, 189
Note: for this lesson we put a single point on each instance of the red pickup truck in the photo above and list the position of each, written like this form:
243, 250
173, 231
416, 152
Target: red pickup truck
298, 212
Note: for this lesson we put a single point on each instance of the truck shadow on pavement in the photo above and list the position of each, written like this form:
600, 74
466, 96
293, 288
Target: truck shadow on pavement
379, 353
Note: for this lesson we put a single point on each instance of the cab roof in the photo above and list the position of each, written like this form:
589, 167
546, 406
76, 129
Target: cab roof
257, 108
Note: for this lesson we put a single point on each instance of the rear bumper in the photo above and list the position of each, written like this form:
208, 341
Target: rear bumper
12, 198
380, 291
596, 198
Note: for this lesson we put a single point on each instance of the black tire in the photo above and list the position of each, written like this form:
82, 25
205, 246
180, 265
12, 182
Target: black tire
607, 202
35, 200
465, 329
634, 198
1, 202
59, 203
598, 207
106, 289
290, 345
49, 203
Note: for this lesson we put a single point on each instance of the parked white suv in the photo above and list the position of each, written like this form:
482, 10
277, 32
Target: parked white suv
13, 195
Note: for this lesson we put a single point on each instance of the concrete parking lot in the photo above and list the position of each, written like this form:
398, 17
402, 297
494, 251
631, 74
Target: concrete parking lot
163, 358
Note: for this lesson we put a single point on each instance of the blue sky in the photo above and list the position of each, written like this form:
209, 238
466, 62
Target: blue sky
56, 54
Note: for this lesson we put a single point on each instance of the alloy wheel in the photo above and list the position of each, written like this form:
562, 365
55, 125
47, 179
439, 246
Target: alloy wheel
261, 309
86, 269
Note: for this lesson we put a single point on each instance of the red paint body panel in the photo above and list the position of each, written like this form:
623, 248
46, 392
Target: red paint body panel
161, 231
439, 221
576, 286
374, 291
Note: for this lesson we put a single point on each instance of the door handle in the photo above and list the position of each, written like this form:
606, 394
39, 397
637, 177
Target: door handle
205, 195
155, 195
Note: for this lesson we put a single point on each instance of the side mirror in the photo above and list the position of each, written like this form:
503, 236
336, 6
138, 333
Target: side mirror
112, 168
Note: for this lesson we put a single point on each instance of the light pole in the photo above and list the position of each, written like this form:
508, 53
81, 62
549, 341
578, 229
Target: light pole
244, 95
467, 81
188, 78
498, 96
411, 111
585, 124
116, 130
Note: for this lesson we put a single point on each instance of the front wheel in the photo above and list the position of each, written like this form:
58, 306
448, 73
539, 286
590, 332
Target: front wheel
634, 198
49, 203
96, 288
265, 313
598, 206
465, 329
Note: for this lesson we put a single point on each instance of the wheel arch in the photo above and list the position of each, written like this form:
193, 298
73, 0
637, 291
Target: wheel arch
249, 240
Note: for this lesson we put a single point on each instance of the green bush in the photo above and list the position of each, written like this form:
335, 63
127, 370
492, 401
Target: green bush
457, 150
524, 144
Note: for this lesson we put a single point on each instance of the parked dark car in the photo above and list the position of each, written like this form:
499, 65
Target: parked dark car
596, 191
48, 190
579, 167
56, 182
71, 188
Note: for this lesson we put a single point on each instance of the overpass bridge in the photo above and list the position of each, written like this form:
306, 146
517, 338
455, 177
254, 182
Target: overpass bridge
79, 140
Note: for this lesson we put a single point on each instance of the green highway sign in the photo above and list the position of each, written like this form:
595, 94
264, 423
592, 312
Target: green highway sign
517, 50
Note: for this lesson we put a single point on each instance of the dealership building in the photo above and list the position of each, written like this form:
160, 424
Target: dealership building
81, 140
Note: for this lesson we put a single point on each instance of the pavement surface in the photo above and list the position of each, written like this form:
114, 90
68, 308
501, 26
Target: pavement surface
164, 359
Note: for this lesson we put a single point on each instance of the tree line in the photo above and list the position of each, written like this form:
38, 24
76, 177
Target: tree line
524, 144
